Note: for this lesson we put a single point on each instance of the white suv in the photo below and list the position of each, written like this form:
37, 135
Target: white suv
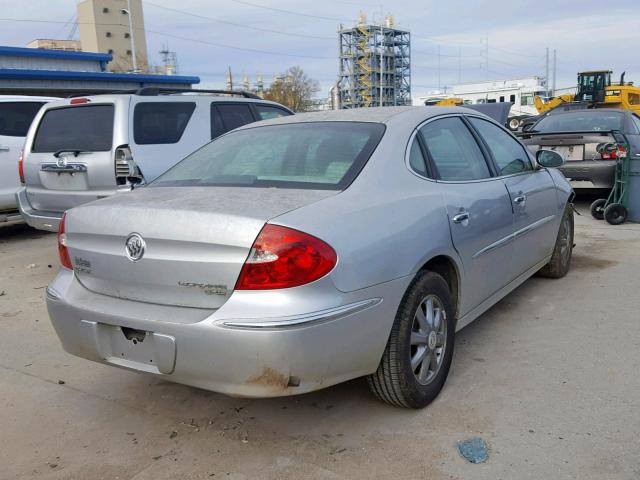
85, 148
16, 115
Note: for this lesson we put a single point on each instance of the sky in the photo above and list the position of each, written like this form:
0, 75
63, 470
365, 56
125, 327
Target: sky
268, 36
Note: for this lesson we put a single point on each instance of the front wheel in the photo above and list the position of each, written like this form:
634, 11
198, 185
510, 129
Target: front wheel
416, 361
560, 261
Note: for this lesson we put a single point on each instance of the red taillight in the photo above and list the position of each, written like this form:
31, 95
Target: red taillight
77, 101
63, 252
612, 151
282, 258
21, 167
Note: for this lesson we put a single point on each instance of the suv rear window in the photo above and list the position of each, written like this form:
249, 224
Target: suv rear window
16, 117
318, 155
161, 122
87, 128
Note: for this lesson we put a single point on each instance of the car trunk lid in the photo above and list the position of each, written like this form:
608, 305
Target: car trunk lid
573, 146
196, 240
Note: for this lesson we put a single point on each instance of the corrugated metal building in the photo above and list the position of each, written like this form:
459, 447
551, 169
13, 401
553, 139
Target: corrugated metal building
31, 71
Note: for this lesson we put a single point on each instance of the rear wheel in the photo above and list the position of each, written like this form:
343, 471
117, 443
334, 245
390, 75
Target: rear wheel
597, 208
560, 261
615, 214
416, 361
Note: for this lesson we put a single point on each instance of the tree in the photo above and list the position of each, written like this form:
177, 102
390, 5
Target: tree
293, 89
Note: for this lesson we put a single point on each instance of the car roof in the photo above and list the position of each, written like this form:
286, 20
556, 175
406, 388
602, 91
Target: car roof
383, 115
174, 97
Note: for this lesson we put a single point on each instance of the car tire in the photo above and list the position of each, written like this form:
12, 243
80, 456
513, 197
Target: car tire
560, 262
597, 208
424, 327
615, 214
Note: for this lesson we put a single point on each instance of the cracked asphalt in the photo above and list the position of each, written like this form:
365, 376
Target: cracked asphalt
549, 378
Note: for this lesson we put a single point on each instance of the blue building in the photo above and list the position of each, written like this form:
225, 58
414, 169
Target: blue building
33, 71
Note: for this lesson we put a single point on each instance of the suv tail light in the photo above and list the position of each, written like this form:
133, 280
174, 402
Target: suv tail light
63, 251
21, 167
282, 257
125, 168
78, 101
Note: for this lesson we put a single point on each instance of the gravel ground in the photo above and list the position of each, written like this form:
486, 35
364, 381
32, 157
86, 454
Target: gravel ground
548, 378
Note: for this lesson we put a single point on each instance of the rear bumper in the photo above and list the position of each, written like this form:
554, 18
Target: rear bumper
294, 353
36, 218
590, 174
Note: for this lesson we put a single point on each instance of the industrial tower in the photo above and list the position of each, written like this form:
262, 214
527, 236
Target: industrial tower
375, 65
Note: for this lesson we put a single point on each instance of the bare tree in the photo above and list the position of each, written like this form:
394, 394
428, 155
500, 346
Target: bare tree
293, 89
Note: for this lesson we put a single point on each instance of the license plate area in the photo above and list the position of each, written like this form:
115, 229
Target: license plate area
571, 153
136, 349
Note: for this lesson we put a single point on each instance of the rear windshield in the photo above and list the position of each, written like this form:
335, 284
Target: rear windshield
319, 155
85, 128
16, 117
580, 121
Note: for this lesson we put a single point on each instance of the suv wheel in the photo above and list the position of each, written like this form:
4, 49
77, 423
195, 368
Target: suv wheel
416, 361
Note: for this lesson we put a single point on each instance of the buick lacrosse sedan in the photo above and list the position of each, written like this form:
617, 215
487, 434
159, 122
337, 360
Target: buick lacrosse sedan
297, 253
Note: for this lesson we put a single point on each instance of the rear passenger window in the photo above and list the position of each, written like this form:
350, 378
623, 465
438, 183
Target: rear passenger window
455, 153
416, 159
509, 154
16, 117
234, 116
265, 112
161, 122
87, 128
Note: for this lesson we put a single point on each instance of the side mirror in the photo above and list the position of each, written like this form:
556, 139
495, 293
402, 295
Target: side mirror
549, 159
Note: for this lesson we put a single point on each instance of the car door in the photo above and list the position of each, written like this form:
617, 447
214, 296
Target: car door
15, 119
532, 193
477, 204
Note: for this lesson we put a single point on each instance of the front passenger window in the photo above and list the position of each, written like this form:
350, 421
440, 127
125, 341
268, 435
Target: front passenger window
509, 154
455, 153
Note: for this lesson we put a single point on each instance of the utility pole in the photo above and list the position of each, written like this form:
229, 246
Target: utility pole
555, 69
438, 68
133, 42
546, 73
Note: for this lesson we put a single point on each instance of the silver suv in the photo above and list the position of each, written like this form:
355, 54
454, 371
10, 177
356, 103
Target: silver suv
82, 149
16, 115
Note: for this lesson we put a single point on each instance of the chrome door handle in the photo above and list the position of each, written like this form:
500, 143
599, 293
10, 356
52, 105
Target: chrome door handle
4, 149
461, 217
519, 199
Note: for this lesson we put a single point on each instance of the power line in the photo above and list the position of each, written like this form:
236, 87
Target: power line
291, 12
239, 25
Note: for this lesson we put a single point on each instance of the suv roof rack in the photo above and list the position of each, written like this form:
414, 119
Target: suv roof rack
153, 91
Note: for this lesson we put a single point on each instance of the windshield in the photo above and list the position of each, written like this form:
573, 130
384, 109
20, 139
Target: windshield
580, 121
318, 155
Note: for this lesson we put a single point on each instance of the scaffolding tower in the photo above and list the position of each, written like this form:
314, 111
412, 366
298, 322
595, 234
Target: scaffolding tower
375, 65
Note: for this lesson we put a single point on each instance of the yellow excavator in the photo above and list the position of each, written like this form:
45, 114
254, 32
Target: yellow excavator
595, 90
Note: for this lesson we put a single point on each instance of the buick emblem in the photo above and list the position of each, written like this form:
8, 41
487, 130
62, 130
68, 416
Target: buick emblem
134, 247
61, 162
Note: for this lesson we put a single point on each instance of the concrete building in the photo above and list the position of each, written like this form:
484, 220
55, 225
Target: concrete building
54, 44
104, 28
32, 71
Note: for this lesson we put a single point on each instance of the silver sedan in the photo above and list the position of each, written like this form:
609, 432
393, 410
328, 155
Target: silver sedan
297, 253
